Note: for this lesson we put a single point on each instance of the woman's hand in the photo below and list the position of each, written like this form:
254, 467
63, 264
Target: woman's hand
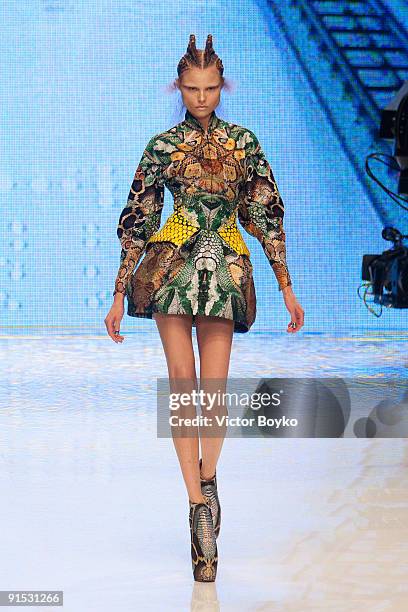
114, 317
295, 309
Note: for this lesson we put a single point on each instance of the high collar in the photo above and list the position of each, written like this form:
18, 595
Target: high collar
194, 122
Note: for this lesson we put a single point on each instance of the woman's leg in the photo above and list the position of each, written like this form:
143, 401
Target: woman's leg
175, 334
214, 338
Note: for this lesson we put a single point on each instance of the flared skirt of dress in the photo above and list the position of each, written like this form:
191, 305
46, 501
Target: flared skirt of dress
203, 276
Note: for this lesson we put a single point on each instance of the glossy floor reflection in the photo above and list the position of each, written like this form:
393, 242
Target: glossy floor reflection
93, 503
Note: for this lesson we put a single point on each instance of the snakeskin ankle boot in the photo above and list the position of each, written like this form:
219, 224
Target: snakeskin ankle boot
209, 489
204, 553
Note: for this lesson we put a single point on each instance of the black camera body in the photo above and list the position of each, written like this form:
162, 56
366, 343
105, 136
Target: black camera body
388, 275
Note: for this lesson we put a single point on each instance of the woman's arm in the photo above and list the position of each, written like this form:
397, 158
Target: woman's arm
141, 216
261, 209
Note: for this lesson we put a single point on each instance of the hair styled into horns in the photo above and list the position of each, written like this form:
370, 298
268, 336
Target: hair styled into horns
200, 59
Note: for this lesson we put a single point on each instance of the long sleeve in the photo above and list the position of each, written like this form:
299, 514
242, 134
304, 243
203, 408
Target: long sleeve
261, 208
141, 216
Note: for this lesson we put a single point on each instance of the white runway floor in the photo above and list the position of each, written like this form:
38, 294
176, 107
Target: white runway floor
93, 503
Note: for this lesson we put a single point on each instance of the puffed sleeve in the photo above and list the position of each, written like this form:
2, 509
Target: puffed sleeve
141, 216
261, 208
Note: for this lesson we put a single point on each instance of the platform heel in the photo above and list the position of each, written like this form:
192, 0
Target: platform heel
204, 552
209, 489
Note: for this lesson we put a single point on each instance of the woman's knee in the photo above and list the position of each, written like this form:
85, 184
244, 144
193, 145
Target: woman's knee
182, 370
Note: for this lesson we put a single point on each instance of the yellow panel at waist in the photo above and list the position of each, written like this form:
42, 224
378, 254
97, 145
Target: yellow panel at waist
177, 229
232, 236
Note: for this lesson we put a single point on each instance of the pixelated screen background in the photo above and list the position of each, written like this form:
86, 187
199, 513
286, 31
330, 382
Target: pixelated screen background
83, 89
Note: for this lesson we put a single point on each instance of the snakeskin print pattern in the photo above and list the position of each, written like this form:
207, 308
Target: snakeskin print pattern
209, 490
204, 552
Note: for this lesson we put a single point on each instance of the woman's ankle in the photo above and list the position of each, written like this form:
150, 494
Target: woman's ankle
203, 473
203, 476
199, 499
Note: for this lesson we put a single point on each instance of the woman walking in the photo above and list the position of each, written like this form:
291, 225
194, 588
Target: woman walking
196, 270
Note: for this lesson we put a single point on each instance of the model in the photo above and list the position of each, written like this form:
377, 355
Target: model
196, 270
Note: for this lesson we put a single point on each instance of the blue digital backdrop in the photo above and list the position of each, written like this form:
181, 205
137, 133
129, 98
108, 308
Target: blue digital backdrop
83, 89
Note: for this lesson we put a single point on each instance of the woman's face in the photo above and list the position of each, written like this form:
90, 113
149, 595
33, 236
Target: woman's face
201, 88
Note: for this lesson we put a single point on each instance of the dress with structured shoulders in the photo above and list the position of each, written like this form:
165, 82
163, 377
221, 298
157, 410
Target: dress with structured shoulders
198, 263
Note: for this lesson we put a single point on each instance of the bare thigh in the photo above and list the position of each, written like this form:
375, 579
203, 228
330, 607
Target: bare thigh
176, 336
214, 339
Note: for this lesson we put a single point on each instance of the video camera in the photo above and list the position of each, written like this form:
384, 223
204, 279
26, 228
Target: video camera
387, 274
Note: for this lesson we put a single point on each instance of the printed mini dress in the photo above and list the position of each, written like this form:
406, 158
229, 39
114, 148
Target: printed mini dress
198, 263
